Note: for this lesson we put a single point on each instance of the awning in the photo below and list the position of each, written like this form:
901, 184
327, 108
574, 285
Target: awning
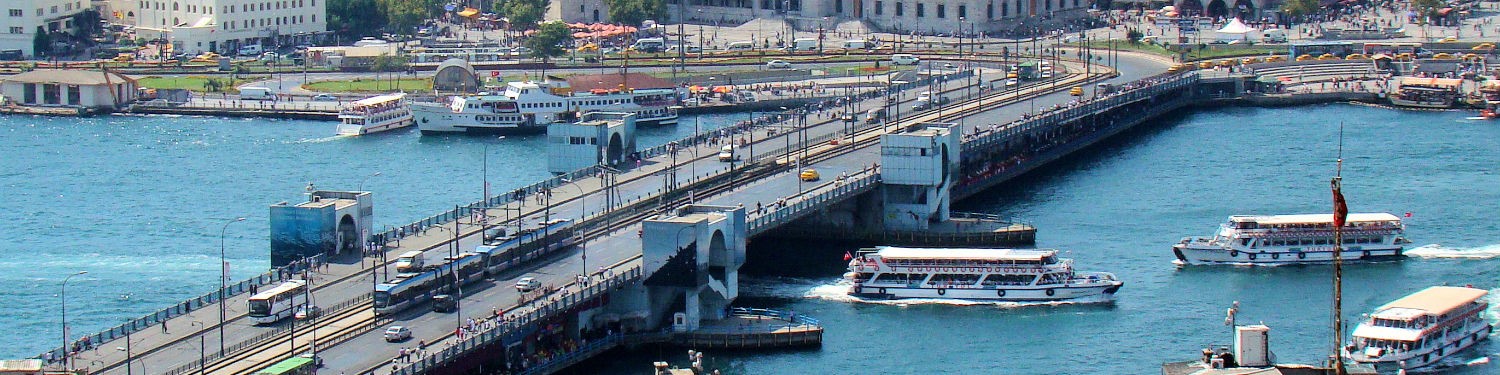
468, 12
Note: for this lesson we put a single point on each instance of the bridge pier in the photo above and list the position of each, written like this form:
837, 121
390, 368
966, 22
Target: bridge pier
328, 223
691, 258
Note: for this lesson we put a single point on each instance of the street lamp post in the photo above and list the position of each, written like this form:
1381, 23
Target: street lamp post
63, 296
223, 278
583, 206
202, 354
361, 186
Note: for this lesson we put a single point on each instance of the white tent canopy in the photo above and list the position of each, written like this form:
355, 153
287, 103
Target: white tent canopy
1236, 30
1235, 27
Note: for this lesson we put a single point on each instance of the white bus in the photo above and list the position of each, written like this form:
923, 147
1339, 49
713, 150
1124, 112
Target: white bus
278, 303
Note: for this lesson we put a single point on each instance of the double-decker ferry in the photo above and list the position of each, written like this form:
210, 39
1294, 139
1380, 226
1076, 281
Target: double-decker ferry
375, 114
1279, 239
527, 107
1421, 328
973, 274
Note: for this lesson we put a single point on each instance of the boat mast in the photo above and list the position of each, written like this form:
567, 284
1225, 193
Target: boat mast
1340, 212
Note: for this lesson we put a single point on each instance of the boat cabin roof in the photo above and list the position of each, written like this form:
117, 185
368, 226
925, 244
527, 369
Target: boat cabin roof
1311, 218
891, 252
1437, 300
379, 99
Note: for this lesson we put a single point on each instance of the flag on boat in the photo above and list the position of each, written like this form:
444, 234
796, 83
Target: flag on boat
1408, 213
1340, 209
848, 256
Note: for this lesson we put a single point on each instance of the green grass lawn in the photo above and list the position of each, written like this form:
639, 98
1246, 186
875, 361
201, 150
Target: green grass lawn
191, 83
361, 85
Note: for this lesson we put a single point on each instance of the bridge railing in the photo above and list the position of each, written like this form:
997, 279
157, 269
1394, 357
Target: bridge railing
263, 336
796, 205
1148, 87
551, 306
184, 307
581, 353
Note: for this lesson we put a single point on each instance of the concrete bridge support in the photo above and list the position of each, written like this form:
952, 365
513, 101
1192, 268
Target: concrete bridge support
691, 258
918, 166
328, 223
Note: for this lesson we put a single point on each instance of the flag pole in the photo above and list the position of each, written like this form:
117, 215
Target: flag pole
1340, 213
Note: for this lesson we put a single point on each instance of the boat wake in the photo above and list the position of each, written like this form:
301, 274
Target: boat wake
1440, 251
321, 140
839, 292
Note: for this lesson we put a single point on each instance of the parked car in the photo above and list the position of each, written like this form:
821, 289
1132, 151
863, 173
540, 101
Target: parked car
308, 312
397, 334
809, 175
778, 64
527, 284
325, 98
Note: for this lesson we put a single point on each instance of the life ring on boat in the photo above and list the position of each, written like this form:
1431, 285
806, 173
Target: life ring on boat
1000, 292
1301, 255
882, 291
1367, 254
1234, 253
1050, 292
1275, 255
1250, 255
942, 291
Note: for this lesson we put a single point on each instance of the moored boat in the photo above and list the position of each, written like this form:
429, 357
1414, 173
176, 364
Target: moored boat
375, 114
1281, 239
528, 107
1422, 328
973, 274
1421, 92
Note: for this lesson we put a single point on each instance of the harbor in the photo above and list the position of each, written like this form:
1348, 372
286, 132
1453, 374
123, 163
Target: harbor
775, 237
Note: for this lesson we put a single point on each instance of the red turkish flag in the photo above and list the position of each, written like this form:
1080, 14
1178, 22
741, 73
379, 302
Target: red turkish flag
1340, 208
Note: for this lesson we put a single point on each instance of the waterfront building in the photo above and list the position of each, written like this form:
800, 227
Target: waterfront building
24, 18
69, 88
223, 26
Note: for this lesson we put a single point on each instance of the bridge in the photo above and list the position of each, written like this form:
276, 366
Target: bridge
658, 242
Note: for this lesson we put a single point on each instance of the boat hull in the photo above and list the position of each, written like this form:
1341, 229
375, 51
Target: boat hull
1008, 293
362, 130
1420, 104
1189, 254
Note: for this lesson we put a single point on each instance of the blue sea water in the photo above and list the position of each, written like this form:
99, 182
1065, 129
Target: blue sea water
138, 202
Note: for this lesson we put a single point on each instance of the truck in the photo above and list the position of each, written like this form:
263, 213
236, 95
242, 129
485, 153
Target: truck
257, 93
803, 44
1273, 36
250, 50
410, 261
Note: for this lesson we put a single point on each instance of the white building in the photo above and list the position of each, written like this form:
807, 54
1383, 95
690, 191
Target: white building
223, 26
68, 88
21, 18
903, 16
597, 138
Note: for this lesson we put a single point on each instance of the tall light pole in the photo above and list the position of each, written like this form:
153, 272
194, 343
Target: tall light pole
63, 296
583, 206
223, 279
202, 355
361, 186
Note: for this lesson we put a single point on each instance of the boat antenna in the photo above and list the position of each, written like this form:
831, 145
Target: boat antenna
1340, 212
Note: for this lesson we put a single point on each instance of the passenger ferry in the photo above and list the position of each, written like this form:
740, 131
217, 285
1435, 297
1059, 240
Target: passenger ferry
1280, 239
527, 107
1421, 328
375, 114
973, 274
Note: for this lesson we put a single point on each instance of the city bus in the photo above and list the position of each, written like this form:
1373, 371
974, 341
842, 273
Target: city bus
278, 303
298, 365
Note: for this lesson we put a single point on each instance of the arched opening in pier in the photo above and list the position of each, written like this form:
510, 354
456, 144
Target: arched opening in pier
947, 167
1217, 8
1243, 9
1190, 8
348, 235
615, 148
718, 255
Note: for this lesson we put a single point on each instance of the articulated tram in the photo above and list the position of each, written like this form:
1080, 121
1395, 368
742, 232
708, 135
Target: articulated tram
500, 253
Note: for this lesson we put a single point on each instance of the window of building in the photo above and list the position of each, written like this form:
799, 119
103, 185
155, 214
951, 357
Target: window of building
17, 30
963, 11
54, 9
16, 13
942, 11
879, 7
900, 9
175, 6
921, 10
1049, 4
989, 11
838, 6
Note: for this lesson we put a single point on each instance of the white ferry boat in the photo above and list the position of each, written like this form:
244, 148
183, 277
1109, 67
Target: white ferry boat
1421, 328
973, 274
527, 107
375, 114
1279, 239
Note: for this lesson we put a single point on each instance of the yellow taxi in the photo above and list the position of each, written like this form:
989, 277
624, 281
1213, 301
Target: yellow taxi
124, 57
1275, 58
207, 57
1205, 64
1174, 69
1249, 60
809, 175
1227, 63
1306, 58
1449, 39
1076, 91
1328, 56
1443, 56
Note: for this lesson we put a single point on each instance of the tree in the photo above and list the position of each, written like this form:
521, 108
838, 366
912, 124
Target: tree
635, 12
42, 43
403, 16
523, 14
548, 41
355, 17
1428, 8
1134, 36
85, 23
1296, 9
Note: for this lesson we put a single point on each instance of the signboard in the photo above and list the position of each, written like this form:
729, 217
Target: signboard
1188, 25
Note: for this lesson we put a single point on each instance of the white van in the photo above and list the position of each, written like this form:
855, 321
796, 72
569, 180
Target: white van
904, 59
257, 93
804, 44
649, 44
856, 44
250, 50
410, 261
740, 46
1273, 36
